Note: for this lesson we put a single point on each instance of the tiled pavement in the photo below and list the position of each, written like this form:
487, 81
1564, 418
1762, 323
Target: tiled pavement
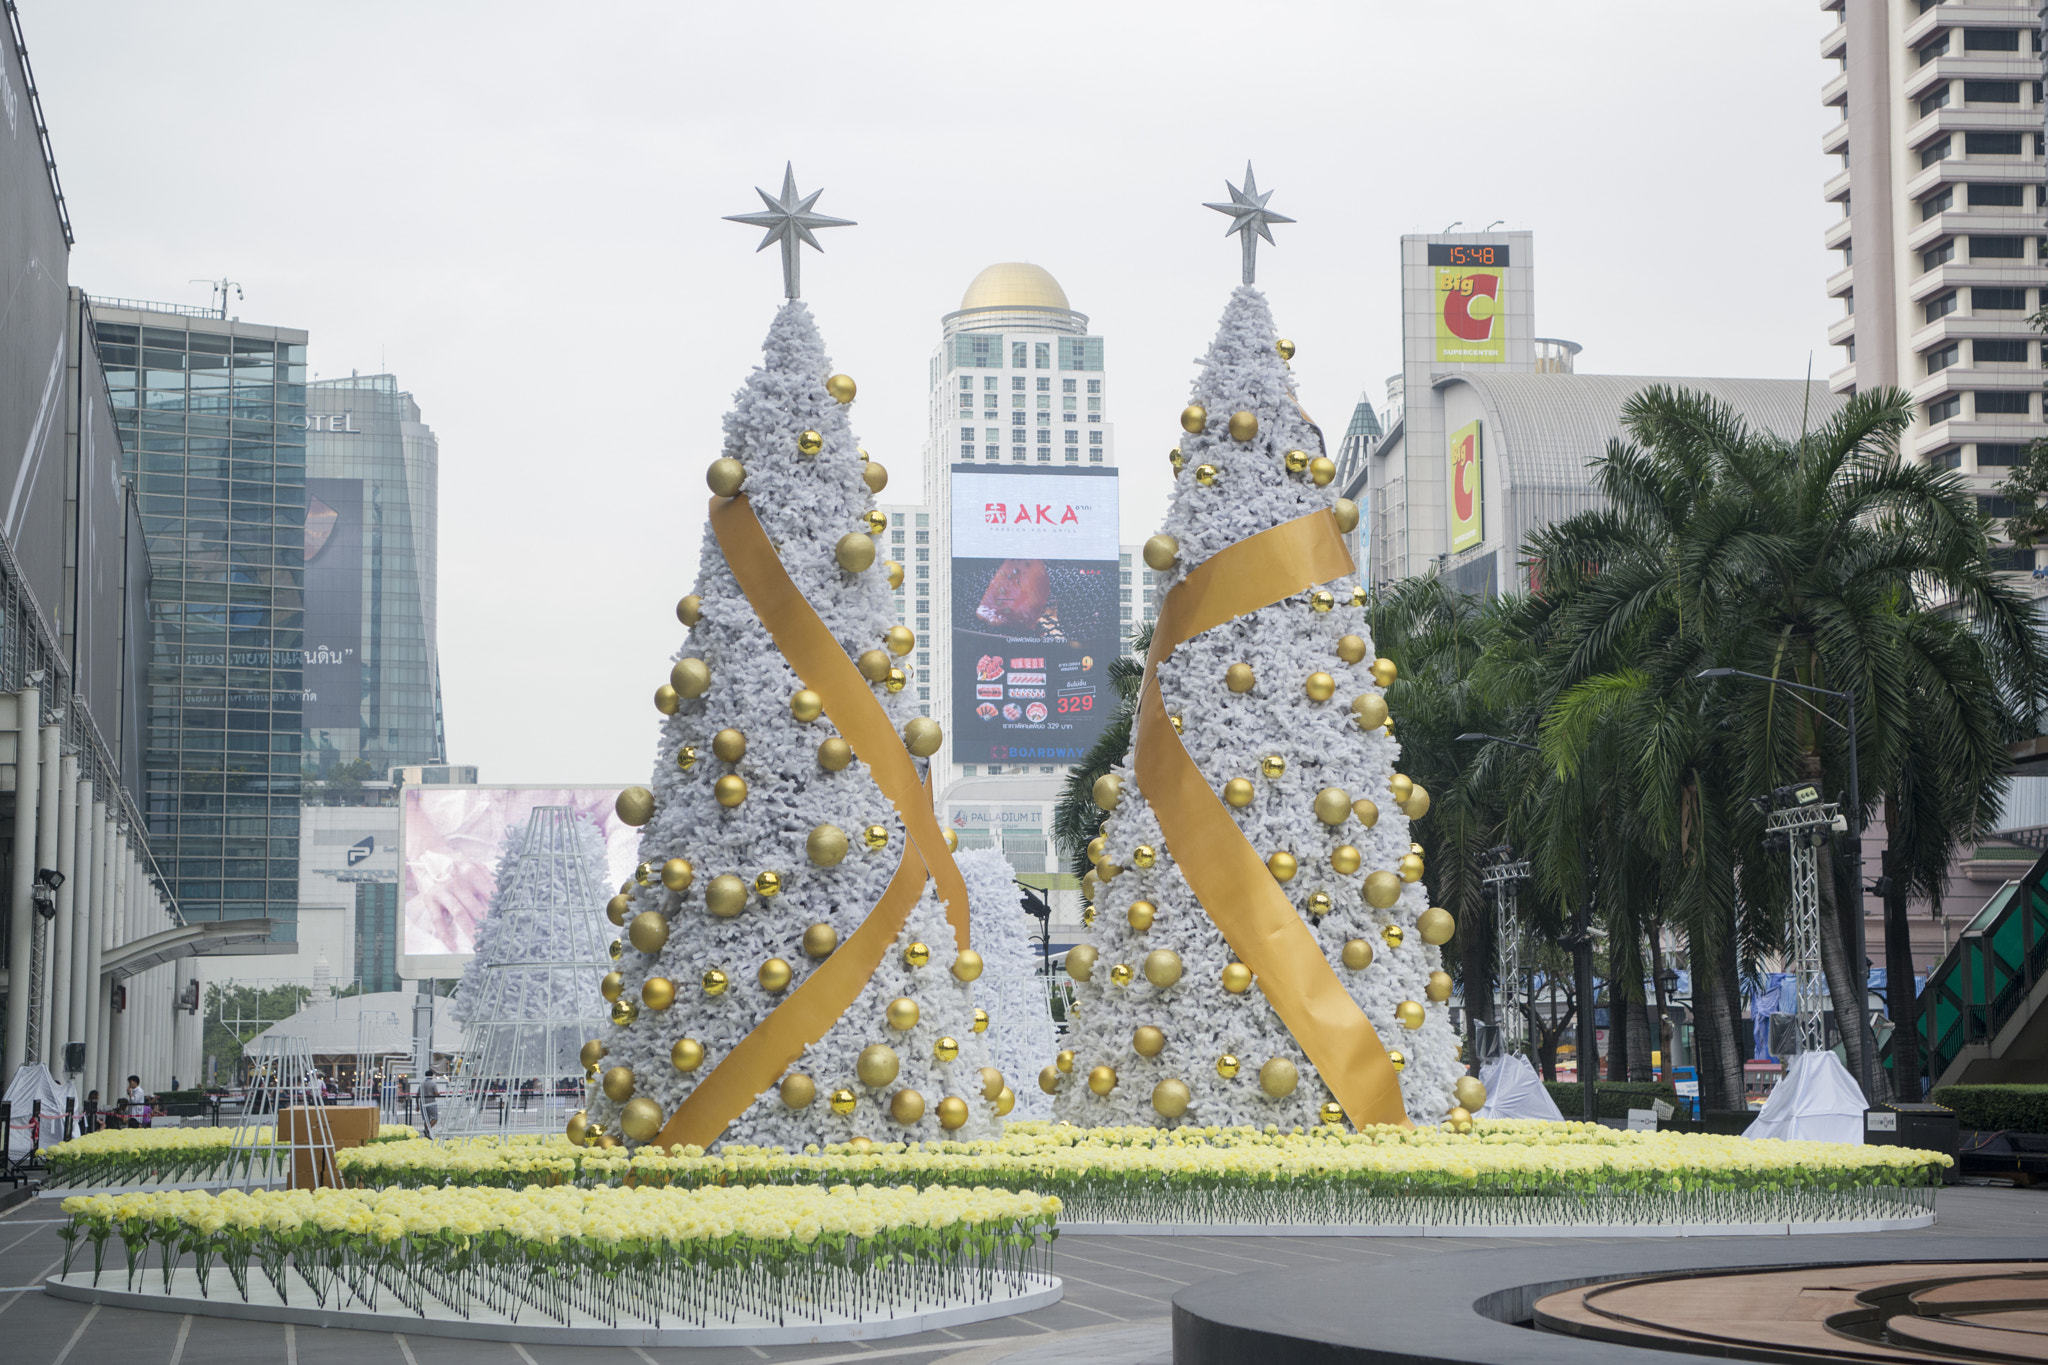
1115, 1312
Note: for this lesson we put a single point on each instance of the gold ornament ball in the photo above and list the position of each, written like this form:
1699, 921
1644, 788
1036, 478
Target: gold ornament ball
893, 680
902, 1013
726, 896
618, 1084
640, 1120
809, 443
1436, 925
1193, 418
806, 706
726, 476
643, 875
1238, 792
1321, 470
687, 1055
967, 965
1382, 889
1106, 869
1322, 600
612, 985
992, 1083
1333, 805
826, 846
1331, 1112
952, 1112
1170, 1098
1470, 1092
1237, 978
1282, 866
1006, 1100
686, 757
1393, 935
1176, 459
1161, 551
715, 982
1347, 519
1278, 1078
1410, 1014
729, 745
946, 1049
1148, 1041
615, 909
1459, 1119
617, 950
1371, 710
819, 940
1102, 1080
1368, 814
689, 609
876, 837
593, 1052
875, 475
635, 805
877, 522
768, 884
922, 736
1096, 847
843, 1101
1397, 1059
1384, 672
834, 754
1243, 425
624, 1012
691, 677
798, 1091
841, 387
1320, 904
1144, 855
1285, 348
729, 790
774, 975
1439, 988
906, 1107
578, 1128
1227, 1066
895, 572
1107, 791
855, 551
1344, 859
648, 931
900, 640
1121, 974
1205, 474
677, 874
667, 700
1064, 1060
1049, 1080
1239, 678
1411, 868
1320, 687
1273, 766
1358, 590
876, 1066
1140, 915
916, 954
1297, 460
873, 664
1351, 649
1417, 804
1357, 954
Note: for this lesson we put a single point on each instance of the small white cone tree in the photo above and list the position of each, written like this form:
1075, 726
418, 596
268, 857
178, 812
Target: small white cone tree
1246, 695
769, 841
1011, 987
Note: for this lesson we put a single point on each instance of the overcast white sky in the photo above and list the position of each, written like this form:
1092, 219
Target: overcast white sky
515, 208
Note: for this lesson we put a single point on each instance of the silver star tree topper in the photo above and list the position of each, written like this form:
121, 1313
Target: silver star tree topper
789, 220
1248, 215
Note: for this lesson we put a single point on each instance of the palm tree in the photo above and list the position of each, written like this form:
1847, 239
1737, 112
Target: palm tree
1076, 818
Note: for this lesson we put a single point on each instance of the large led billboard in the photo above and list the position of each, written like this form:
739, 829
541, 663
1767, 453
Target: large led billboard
334, 618
1471, 309
450, 839
1035, 617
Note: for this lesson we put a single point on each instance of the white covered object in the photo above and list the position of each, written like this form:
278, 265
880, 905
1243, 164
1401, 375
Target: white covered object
1010, 988
1515, 1091
32, 1082
1818, 1101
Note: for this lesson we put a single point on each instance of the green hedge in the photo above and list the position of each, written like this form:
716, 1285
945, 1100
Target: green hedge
1611, 1099
2021, 1108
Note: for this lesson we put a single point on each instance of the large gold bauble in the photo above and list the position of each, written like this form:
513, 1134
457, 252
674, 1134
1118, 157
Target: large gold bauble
1282, 865
916, 954
894, 680
1148, 1041
689, 609
1358, 954
1064, 1060
946, 1049
640, 1120
902, 1013
1351, 649
1382, 889
1417, 804
1393, 935
1411, 867
906, 1107
768, 884
1140, 915
1384, 672
1239, 678
1278, 1078
1322, 600
687, 1055
1238, 792
612, 985
615, 909
618, 1084
1106, 869
876, 522
855, 551
820, 940
1409, 1013
1436, 925
686, 757
1371, 710
726, 896
635, 805
873, 664
1470, 1092
967, 965
593, 1052
874, 475
900, 640
715, 982
729, 745
1273, 766
726, 476
1108, 789
826, 846
1439, 988
895, 572
798, 1091
841, 387
809, 443
729, 790
691, 677
1458, 1119
1170, 1098
922, 736
657, 993
774, 976
952, 1113
806, 705
578, 1129
1161, 552
1297, 460
1320, 904
1237, 978
1319, 687
1333, 805
1096, 847
648, 931
1367, 812
992, 1083
1162, 967
877, 1065
834, 754
1121, 974
1243, 425
981, 1021
1081, 961
1049, 1080
667, 700
1227, 1066
624, 1012
677, 874
1193, 418
1344, 859
876, 837
1144, 855
1347, 515
1205, 474
843, 1101
1322, 470
1102, 1080
1006, 1100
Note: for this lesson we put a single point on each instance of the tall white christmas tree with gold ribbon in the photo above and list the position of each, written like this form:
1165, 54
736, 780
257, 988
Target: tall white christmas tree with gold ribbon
1266, 950
795, 965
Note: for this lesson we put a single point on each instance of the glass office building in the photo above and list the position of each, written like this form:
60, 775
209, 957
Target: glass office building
373, 673
211, 413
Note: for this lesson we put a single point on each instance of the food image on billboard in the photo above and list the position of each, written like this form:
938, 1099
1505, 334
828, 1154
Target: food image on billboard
1471, 302
1035, 612
1468, 505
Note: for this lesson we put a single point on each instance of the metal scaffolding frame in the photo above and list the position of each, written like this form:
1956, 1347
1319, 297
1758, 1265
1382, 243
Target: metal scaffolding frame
1506, 879
1805, 829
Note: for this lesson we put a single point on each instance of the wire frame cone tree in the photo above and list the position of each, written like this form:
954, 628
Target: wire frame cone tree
1011, 987
532, 997
1266, 952
790, 972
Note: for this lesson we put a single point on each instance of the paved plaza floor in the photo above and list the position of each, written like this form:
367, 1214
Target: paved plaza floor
1116, 1310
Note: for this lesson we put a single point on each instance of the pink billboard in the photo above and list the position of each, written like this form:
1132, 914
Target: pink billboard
450, 841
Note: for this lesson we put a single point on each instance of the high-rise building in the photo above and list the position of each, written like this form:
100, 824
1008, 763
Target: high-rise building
212, 419
373, 671
1360, 436
1940, 182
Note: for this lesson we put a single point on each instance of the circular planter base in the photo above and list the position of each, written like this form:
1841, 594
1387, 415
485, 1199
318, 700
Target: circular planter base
1544, 1230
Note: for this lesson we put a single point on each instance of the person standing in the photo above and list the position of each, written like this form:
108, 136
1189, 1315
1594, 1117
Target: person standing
430, 1101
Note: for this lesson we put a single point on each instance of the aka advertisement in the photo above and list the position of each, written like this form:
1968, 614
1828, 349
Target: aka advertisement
1468, 511
1471, 315
1035, 612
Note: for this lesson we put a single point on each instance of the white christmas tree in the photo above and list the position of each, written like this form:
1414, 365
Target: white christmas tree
1281, 710
1011, 989
752, 1005
469, 989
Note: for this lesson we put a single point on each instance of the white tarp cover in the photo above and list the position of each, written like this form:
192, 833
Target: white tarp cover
1515, 1091
30, 1083
1818, 1101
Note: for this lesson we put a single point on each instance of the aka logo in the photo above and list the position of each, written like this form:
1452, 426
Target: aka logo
1027, 514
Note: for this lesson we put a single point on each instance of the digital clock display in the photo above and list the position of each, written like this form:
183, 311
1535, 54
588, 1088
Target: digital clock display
1452, 253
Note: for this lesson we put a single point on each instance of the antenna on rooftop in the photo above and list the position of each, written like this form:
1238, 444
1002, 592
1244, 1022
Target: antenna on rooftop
220, 289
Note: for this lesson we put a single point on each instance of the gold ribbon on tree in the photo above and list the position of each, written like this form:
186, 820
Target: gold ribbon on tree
809, 1011
1221, 867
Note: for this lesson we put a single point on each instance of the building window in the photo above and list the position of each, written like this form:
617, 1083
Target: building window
1942, 307
967, 405
1094, 455
1016, 454
2001, 351
1991, 92
896, 519
923, 537
1067, 386
1991, 40
977, 353
1094, 438
1938, 203
1998, 196
995, 770
1988, 300
2001, 454
1017, 419
1996, 506
1934, 49
967, 769
1948, 459
1017, 355
967, 383
991, 436
1933, 152
1992, 144
1044, 386
1997, 402
1072, 438
1942, 409
1937, 361
924, 570
1080, 353
1017, 383
1998, 248
1939, 256
1041, 351
924, 554
1937, 100
966, 438
923, 519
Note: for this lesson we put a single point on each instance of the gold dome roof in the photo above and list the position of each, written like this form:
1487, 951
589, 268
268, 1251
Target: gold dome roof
1014, 284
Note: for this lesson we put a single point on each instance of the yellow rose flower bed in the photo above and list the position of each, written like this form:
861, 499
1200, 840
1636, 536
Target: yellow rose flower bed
1506, 1171
680, 1255
167, 1156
